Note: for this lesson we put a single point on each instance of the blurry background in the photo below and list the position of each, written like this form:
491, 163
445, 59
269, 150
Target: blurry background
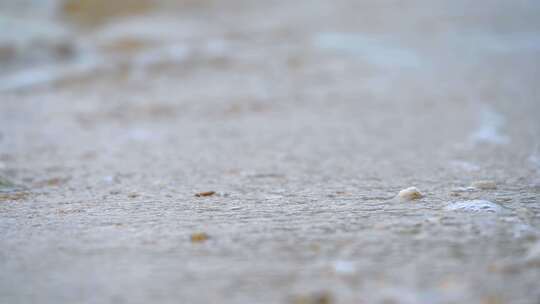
305, 117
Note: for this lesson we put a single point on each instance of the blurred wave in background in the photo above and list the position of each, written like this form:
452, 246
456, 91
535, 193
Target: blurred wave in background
44, 41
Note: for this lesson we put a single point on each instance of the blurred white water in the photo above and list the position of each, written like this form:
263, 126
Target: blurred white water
378, 50
489, 130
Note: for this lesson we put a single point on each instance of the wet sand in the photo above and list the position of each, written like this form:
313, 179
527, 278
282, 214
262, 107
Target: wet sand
305, 119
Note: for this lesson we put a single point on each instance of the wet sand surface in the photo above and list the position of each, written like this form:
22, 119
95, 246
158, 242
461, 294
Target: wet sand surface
305, 118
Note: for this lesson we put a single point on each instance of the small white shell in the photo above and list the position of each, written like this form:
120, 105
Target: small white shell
410, 194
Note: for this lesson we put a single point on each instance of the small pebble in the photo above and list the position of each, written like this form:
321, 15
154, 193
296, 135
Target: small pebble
492, 299
133, 195
206, 193
55, 181
410, 194
317, 298
199, 237
484, 185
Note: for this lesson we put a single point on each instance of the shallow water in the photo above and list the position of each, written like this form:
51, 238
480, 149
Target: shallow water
305, 119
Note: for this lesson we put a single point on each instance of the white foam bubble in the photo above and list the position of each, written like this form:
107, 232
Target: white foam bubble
474, 206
